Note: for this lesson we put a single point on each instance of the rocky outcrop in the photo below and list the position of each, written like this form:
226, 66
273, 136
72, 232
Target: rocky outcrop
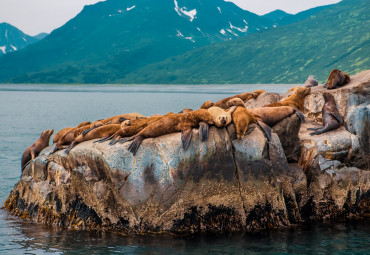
223, 184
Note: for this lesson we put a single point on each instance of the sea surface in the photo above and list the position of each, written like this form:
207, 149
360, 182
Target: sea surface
27, 110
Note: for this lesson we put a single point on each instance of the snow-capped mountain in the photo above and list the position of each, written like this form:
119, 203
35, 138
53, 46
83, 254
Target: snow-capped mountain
13, 39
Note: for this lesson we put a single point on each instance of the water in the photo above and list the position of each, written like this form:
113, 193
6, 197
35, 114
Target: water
26, 110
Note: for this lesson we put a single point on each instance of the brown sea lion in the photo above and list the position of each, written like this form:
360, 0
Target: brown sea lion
99, 132
33, 151
186, 110
70, 136
135, 127
83, 124
183, 123
295, 100
207, 104
256, 93
241, 118
337, 78
221, 117
269, 115
311, 82
61, 133
223, 102
330, 116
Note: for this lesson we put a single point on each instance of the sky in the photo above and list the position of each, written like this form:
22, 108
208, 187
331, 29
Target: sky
36, 16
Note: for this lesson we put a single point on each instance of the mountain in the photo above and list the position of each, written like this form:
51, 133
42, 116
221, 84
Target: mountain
41, 36
336, 37
13, 39
110, 39
276, 15
280, 18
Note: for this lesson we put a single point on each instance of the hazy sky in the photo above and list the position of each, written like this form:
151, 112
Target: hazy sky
36, 16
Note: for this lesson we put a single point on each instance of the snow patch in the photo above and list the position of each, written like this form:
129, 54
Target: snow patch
3, 48
199, 29
13, 47
6, 34
24, 39
130, 8
219, 9
222, 31
231, 32
274, 25
179, 34
182, 11
245, 21
243, 30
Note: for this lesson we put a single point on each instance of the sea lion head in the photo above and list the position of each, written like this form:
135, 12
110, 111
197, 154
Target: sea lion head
235, 102
47, 133
221, 117
328, 96
207, 104
302, 91
126, 123
97, 124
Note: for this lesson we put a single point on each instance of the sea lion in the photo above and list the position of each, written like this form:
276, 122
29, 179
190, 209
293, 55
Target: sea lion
241, 118
64, 131
295, 100
256, 93
99, 132
186, 110
135, 127
337, 78
330, 116
221, 117
33, 151
207, 104
70, 136
269, 115
223, 102
183, 123
311, 82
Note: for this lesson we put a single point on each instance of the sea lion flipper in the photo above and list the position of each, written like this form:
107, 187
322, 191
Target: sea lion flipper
300, 115
70, 147
122, 119
104, 139
186, 135
203, 131
313, 129
86, 131
266, 129
337, 116
134, 146
126, 139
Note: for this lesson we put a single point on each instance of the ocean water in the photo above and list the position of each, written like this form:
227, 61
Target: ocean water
27, 110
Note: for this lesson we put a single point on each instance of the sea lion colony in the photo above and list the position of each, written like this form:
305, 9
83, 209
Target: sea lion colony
136, 127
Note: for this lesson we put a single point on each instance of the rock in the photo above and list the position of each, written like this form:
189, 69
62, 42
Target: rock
263, 99
220, 185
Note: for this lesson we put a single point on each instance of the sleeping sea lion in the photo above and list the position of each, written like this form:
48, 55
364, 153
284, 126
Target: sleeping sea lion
241, 118
337, 78
99, 132
311, 82
295, 100
33, 151
270, 115
221, 117
256, 93
69, 137
183, 123
128, 131
331, 118
207, 104
64, 131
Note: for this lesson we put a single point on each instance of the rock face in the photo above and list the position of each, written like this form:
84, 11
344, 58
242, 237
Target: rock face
223, 184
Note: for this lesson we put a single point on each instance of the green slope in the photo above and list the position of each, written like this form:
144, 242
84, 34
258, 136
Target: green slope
337, 37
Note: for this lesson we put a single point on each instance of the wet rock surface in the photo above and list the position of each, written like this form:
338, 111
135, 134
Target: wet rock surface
223, 184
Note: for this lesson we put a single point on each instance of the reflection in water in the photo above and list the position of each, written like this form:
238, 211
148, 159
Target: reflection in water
317, 239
